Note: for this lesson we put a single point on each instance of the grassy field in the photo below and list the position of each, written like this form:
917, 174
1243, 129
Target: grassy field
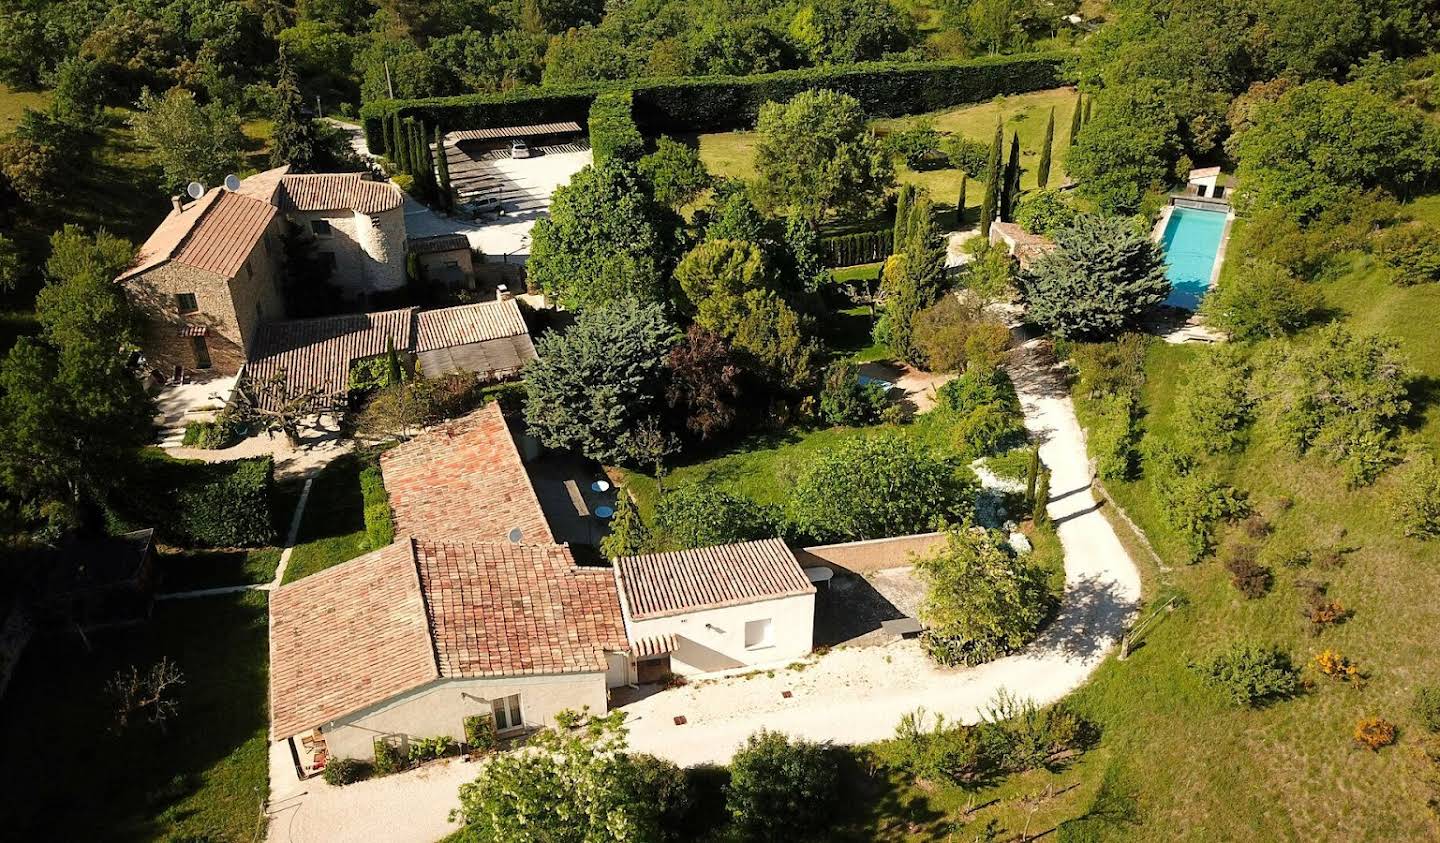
13, 103
203, 778
732, 154
1201, 769
332, 530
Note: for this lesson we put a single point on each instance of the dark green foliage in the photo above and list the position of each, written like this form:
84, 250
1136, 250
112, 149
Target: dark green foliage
1075, 119
445, 195
379, 524
1129, 149
1193, 500
388, 758
1101, 278
815, 154
480, 733
919, 145
1042, 170
1046, 212
904, 201
913, 279
343, 771
854, 249
702, 516
960, 201
628, 534
606, 239
196, 504
967, 155
1010, 197
675, 172
1252, 675
780, 789
674, 106
1261, 300
990, 204
613, 134
1039, 514
878, 485
1214, 409
293, 141
1115, 441
596, 382
844, 400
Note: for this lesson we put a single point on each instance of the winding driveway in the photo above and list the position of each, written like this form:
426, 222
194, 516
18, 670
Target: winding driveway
850, 695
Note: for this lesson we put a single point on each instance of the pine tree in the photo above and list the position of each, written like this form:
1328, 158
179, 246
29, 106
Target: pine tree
1075, 118
1042, 172
990, 203
628, 535
960, 203
1010, 190
294, 141
447, 199
904, 199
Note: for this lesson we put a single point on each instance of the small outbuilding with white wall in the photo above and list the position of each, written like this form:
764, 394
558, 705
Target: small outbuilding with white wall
715, 609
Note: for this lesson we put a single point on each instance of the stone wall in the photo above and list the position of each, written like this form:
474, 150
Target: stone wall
369, 251
872, 555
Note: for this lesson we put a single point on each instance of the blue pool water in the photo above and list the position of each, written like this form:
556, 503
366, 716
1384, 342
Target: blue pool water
1191, 240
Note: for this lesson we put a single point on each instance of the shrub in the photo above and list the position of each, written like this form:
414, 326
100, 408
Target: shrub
1252, 675
1214, 409
343, 771
1334, 665
379, 524
1046, 213
1319, 610
1411, 252
844, 400
1259, 300
388, 757
1415, 500
1111, 369
196, 504
1287, 552
781, 788
937, 753
667, 787
429, 749
1427, 706
919, 145
1017, 735
676, 105
702, 515
1115, 440
613, 133
1193, 501
210, 435
1101, 278
480, 733
1249, 578
969, 156
878, 485
1373, 733
951, 335
974, 390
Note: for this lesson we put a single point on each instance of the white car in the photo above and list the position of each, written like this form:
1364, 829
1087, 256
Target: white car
519, 149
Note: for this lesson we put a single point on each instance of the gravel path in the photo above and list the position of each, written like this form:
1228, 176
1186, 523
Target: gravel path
849, 695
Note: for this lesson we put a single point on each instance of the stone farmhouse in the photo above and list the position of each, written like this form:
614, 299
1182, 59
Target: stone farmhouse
476, 611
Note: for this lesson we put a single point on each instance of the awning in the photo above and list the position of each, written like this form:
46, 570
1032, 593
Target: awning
194, 330
654, 646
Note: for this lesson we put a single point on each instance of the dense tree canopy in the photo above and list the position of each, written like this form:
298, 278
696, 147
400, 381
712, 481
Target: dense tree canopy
1101, 277
816, 154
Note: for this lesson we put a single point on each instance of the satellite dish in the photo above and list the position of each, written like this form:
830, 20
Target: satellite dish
600, 486
232, 182
604, 512
515, 536
195, 190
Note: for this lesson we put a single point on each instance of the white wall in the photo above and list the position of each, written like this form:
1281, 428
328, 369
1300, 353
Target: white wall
714, 639
369, 251
441, 708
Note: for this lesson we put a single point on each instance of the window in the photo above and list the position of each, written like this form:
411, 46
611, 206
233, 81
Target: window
1199, 190
507, 713
320, 228
1219, 191
202, 353
186, 302
759, 634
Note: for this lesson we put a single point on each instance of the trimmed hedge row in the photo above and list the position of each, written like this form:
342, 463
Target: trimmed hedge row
379, 524
197, 504
613, 133
858, 248
710, 103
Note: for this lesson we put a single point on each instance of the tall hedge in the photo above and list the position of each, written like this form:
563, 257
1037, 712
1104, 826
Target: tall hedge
613, 133
710, 103
379, 523
197, 504
854, 249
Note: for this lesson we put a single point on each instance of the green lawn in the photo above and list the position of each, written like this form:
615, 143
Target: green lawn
732, 154
13, 103
188, 570
1205, 770
69, 775
332, 530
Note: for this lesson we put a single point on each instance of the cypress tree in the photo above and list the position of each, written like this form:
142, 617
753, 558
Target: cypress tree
387, 143
1075, 118
446, 197
1042, 173
400, 156
1038, 513
1032, 475
393, 374
904, 198
1010, 191
1088, 103
992, 182
294, 137
960, 203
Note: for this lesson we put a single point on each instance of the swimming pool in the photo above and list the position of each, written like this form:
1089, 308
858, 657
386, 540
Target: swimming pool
1191, 240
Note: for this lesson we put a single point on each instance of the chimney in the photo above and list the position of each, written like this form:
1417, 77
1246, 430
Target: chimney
502, 293
177, 203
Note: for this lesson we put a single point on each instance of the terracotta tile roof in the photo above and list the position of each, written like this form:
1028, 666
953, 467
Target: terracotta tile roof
338, 192
216, 233
654, 645
508, 132
468, 323
318, 352
498, 609
347, 637
438, 243
264, 186
663, 584
464, 481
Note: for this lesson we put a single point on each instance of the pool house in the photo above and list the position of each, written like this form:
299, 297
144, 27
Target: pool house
1194, 229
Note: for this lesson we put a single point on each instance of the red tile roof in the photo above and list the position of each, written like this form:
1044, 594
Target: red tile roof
468, 323
391, 621
464, 481
498, 609
216, 233
347, 637
663, 584
318, 352
339, 192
